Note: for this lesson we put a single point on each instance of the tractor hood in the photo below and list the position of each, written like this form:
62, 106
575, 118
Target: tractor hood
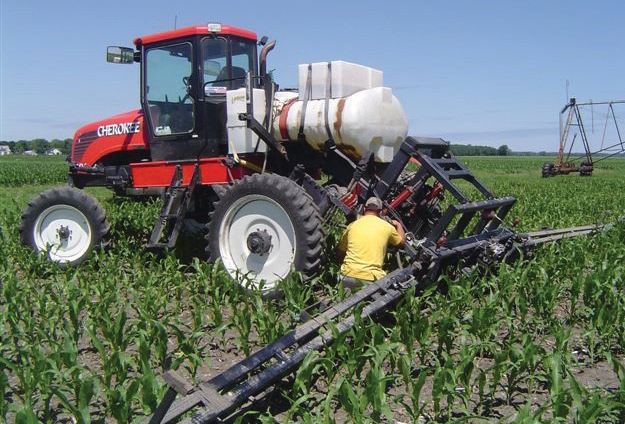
120, 133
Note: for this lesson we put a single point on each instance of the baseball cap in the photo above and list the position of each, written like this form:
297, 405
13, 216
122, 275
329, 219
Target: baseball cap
373, 204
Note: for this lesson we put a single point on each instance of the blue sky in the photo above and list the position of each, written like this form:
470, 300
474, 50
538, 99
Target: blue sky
473, 72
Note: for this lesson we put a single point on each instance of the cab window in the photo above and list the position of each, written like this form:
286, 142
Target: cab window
223, 71
167, 80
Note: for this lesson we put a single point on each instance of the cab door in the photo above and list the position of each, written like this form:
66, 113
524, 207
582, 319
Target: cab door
169, 103
226, 62
184, 94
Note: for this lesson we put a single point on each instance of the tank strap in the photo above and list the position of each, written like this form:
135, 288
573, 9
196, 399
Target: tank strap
307, 93
327, 103
284, 114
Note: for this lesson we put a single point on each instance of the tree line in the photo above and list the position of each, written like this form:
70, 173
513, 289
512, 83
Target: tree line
470, 150
40, 146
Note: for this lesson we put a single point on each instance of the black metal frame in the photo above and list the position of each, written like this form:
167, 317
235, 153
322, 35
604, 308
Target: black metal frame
437, 162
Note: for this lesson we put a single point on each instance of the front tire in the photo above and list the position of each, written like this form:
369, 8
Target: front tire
263, 227
66, 223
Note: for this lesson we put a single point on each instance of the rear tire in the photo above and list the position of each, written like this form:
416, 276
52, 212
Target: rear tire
263, 227
547, 170
66, 223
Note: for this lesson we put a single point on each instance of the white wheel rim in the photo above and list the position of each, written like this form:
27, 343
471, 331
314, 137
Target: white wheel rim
63, 232
254, 214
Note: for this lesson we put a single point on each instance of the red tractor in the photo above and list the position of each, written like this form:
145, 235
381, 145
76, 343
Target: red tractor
258, 166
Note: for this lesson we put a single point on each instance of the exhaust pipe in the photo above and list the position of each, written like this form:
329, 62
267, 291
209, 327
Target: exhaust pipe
263, 58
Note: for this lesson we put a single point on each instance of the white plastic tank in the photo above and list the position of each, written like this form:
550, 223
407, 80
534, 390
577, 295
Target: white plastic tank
241, 139
362, 115
368, 120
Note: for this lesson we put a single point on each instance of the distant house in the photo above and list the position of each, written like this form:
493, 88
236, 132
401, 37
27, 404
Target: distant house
5, 150
30, 153
53, 152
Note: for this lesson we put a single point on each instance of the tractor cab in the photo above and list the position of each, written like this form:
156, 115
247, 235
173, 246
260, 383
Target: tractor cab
185, 74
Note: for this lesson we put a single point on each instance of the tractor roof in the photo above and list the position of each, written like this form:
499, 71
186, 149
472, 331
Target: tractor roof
211, 28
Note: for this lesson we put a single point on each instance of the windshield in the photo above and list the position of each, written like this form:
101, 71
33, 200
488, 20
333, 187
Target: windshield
220, 74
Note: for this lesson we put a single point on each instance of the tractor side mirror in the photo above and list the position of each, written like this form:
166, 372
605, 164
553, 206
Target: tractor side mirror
117, 54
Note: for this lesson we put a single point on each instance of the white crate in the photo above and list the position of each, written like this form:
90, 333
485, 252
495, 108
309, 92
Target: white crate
346, 79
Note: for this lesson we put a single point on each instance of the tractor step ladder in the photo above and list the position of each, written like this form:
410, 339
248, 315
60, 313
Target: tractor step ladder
220, 396
175, 204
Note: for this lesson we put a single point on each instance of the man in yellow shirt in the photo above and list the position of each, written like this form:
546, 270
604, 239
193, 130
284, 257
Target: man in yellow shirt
363, 245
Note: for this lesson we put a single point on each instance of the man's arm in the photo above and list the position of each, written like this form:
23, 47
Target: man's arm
400, 231
340, 255
341, 249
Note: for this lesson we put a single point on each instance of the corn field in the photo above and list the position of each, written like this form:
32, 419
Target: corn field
538, 341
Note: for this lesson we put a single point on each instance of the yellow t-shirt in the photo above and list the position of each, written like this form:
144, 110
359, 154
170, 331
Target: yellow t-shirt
364, 243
